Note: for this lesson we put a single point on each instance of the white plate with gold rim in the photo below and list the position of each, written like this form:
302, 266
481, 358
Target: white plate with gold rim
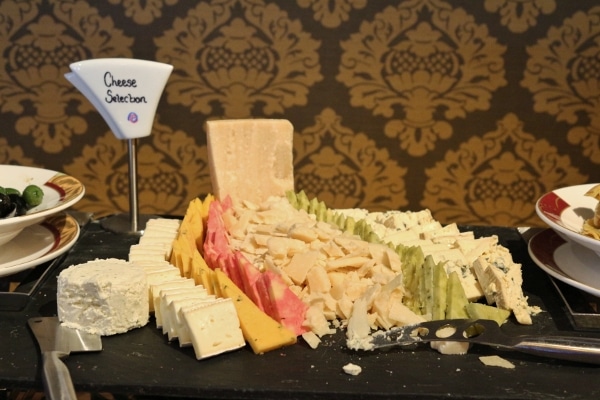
39, 243
566, 261
565, 211
60, 192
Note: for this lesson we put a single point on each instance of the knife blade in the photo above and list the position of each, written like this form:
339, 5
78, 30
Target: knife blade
488, 332
56, 342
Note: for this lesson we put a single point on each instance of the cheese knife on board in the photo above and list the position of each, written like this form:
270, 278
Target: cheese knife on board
56, 342
488, 332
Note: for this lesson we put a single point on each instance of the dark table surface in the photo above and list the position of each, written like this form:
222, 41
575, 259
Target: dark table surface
142, 362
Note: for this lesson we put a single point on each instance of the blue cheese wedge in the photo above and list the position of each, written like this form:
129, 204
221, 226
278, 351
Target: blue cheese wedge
501, 281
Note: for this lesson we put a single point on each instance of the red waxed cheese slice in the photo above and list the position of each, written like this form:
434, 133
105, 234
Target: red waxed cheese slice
216, 242
266, 289
250, 276
287, 307
230, 266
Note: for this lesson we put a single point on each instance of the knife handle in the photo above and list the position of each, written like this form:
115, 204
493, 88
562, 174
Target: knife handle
56, 377
571, 348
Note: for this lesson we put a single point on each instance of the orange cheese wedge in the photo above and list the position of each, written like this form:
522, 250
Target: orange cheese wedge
262, 332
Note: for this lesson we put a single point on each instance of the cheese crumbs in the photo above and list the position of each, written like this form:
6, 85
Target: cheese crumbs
326, 268
332, 270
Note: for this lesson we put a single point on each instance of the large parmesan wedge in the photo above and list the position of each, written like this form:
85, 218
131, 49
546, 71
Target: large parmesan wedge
250, 159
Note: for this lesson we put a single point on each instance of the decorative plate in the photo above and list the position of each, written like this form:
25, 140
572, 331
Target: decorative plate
60, 192
565, 210
566, 261
39, 243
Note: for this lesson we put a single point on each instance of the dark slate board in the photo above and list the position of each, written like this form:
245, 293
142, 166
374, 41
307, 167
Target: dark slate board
143, 363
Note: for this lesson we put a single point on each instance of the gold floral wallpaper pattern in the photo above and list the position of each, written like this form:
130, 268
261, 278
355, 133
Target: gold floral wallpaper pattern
472, 109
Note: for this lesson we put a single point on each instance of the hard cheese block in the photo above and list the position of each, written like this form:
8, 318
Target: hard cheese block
250, 159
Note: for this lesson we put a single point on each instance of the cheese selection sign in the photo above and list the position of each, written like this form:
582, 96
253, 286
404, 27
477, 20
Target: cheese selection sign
112, 96
125, 91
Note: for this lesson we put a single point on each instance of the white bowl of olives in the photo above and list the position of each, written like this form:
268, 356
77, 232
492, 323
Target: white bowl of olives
29, 195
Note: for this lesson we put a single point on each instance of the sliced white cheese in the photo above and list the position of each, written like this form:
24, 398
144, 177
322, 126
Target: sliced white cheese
214, 328
450, 347
155, 289
149, 251
311, 339
168, 295
177, 326
158, 276
152, 264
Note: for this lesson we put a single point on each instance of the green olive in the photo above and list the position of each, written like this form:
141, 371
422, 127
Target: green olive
33, 195
9, 190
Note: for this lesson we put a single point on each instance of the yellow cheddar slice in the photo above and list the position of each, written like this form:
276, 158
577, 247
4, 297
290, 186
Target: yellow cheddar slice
205, 206
202, 274
182, 257
262, 332
197, 226
176, 252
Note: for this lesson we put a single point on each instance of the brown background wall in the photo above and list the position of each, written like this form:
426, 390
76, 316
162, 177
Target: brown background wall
472, 109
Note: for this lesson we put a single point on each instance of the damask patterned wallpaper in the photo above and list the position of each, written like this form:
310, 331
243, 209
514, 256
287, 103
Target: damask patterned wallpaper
472, 109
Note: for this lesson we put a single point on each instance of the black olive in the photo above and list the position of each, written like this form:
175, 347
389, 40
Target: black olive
6, 205
19, 202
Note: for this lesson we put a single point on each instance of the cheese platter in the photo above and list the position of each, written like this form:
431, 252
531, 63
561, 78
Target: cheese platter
289, 266
282, 289
143, 361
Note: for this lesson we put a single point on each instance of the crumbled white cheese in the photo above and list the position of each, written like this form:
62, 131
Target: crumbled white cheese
104, 296
311, 339
450, 347
352, 369
330, 270
496, 361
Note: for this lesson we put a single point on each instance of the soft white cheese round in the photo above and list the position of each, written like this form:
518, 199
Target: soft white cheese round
104, 296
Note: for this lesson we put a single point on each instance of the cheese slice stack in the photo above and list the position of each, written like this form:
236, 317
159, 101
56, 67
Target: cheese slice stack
184, 310
250, 159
